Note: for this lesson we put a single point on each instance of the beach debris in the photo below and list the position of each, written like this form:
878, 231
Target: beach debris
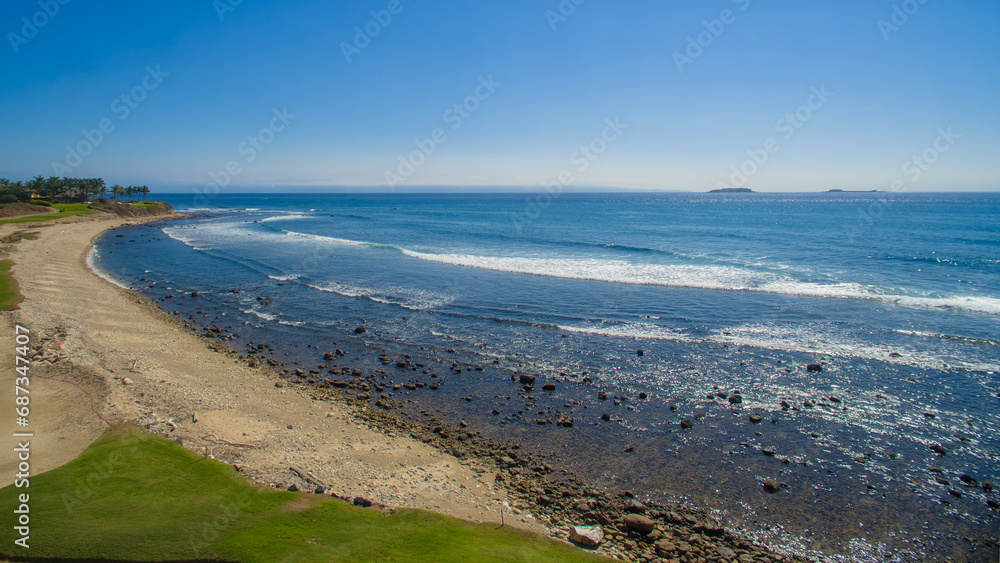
602, 395
771, 486
216, 440
814, 367
639, 523
587, 536
194, 417
172, 424
308, 477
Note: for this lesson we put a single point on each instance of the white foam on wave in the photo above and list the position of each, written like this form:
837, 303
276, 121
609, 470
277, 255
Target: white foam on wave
834, 341
286, 277
409, 298
92, 265
286, 217
703, 277
321, 238
260, 314
629, 330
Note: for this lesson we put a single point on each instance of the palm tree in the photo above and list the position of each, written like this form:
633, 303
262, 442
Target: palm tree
145, 192
117, 190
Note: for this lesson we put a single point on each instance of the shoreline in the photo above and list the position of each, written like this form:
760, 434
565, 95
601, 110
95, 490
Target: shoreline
138, 363
252, 417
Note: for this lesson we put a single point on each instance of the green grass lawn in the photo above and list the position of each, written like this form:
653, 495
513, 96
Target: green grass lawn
136, 496
9, 294
65, 210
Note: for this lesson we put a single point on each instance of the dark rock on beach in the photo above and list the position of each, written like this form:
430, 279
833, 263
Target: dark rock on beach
639, 523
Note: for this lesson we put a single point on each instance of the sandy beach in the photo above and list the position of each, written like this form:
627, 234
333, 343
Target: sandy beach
113, 356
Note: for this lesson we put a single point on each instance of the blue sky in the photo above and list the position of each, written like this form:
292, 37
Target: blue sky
260, 95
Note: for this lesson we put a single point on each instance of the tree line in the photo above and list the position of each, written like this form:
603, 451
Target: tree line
66, 190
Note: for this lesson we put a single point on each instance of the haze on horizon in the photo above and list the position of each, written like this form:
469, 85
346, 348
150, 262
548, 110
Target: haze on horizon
394, 95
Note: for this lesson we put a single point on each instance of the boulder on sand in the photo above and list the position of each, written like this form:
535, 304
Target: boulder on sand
588, 536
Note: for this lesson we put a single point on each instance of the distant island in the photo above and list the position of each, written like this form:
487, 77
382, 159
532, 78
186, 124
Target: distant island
850, 191
731, 191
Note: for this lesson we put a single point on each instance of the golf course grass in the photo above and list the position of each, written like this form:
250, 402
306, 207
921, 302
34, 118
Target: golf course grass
137, 496
65, 210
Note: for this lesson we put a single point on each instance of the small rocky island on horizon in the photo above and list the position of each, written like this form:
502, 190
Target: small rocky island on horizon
838, 190
731, 191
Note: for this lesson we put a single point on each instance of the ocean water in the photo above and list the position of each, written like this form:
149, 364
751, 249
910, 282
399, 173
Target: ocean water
898, 295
